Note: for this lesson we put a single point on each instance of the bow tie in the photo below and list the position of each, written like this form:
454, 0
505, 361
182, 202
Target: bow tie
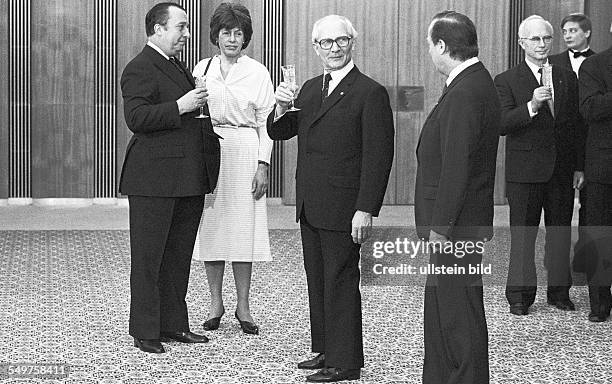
586, 53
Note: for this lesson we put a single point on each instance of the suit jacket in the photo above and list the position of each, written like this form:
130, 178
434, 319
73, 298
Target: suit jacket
535, 145
345, 149
596, 108
169, 155
562, 59
456, 159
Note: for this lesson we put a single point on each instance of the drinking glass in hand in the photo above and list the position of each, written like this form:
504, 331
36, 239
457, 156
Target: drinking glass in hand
201, 83
289, 78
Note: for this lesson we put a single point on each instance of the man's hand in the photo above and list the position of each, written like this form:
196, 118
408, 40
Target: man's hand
540, 96
437, 237
578, 180
260, 181
284, 95
192, 100
362, 225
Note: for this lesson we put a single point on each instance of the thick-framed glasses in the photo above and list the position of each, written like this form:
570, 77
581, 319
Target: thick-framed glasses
341, 41
537, 39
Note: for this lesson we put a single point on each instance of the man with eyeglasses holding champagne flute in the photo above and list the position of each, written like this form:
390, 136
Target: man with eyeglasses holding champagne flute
345, 150
544, 164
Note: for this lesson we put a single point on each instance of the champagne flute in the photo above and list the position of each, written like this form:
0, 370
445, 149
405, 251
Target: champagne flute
200, 82
289, 78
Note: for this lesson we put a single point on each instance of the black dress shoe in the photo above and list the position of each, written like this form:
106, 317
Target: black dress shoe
331, 375
247, 327
149, 345
519, 309
317, 362
184, 337
564, 305
597, 317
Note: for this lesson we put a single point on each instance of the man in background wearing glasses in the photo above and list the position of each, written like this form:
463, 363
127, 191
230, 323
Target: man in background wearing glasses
541, 122
345, 150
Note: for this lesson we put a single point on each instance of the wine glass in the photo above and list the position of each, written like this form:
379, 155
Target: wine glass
289, 78
200, 82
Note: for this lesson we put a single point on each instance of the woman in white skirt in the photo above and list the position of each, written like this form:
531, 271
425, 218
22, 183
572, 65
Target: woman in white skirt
234, 223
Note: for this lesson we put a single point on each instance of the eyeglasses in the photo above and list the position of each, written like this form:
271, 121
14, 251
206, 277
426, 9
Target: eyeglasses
342, 42
537, 39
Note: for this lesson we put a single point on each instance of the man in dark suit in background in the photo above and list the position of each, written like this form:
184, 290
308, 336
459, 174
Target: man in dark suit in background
596, 108
345, 151
171, 161
456, 157
543, 165
576, 30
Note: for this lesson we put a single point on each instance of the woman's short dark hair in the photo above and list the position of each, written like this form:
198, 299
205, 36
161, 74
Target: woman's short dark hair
458, 33
230, 16
158, 15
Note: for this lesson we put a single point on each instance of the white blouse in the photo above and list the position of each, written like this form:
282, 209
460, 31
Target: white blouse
244, 99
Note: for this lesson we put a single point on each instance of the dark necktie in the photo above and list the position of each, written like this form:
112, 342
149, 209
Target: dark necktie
326, 80
176, 63
540, 72
586, 53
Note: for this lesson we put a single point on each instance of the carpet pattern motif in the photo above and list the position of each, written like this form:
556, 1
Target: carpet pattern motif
64, 298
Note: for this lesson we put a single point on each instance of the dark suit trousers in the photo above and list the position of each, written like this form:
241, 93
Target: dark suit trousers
526, 202
331, 260
598, 247
456, 336
162, 236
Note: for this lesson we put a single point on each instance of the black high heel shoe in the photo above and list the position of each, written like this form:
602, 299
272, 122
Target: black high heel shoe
247, 327
213, 324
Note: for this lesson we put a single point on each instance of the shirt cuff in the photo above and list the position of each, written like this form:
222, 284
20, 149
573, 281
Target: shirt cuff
532, 113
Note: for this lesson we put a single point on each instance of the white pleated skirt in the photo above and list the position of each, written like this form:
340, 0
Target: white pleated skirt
234, 226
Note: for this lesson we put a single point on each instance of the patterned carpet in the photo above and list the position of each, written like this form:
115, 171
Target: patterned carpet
65, 296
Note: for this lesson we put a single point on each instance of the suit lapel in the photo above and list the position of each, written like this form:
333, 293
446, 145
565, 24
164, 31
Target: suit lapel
462, 75
169, 70
559, 91
339, 92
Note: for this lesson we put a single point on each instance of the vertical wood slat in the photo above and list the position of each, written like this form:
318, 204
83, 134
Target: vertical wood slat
4, 100
517, 14
19, 100
105, 83
273, 56
191, 53
600, 13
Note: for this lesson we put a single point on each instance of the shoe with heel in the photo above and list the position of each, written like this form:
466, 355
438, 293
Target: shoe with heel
247, 327
213, 323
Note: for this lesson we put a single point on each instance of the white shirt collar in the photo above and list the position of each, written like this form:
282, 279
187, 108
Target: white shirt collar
158, 49
341, 73
458, 69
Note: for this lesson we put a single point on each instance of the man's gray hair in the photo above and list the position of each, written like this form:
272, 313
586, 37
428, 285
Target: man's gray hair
340, 19
522, 26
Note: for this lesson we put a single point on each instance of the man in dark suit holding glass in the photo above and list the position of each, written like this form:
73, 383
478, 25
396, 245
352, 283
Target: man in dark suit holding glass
171, 161
345, 150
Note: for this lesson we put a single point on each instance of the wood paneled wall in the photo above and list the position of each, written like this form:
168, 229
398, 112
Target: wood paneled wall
392, 49
62, 98
600, 12
4, 102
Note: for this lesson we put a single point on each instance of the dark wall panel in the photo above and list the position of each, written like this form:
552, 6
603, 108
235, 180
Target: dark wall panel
4, 100
600, 12
62, 99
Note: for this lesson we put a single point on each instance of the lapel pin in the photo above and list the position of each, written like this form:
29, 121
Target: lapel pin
341, 93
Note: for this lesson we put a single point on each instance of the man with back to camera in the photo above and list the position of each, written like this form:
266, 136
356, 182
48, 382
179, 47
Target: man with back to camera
576, 30
542, 125
596, 108
171, 161
456, 156
345, 151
